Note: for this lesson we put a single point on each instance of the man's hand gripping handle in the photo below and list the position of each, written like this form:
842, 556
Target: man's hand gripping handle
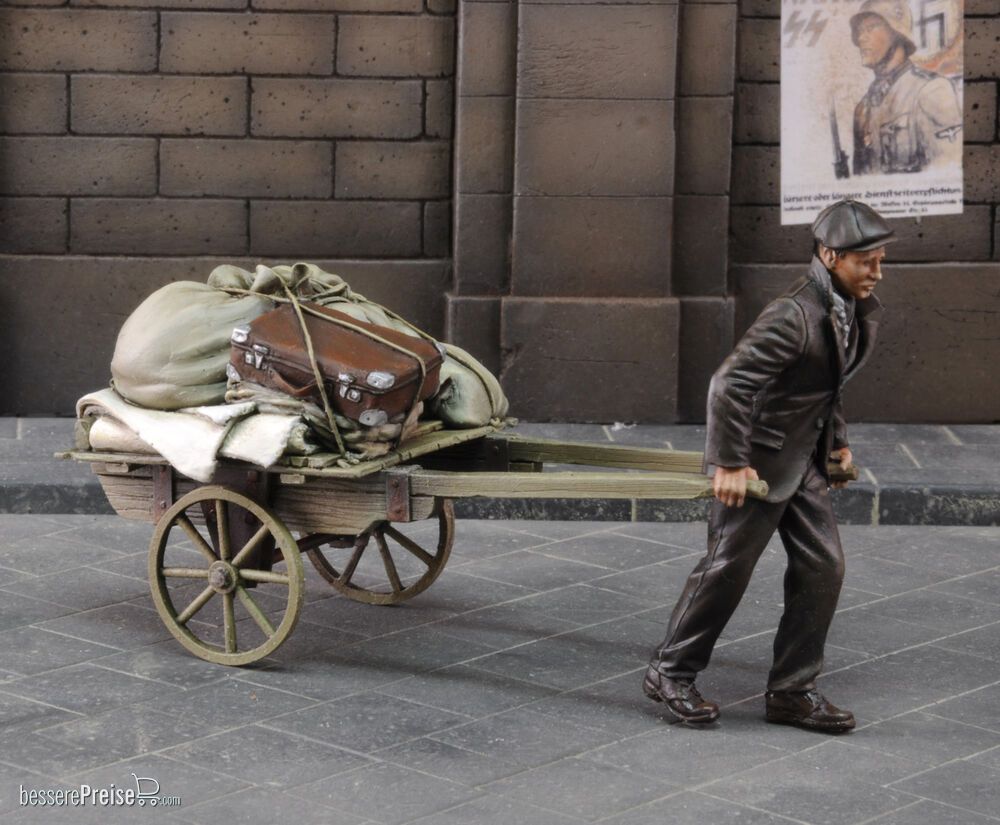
731, 485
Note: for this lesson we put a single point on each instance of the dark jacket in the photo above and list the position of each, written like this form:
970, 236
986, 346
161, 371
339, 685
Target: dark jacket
775, 403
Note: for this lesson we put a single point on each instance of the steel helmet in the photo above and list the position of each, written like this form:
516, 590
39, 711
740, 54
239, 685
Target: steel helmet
895, 13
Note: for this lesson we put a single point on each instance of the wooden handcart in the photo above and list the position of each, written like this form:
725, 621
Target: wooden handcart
379, 532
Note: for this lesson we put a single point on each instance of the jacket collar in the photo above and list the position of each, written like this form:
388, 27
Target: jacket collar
866, 312
820, 277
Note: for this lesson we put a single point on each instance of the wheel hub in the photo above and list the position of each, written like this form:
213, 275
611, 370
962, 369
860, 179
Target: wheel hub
222, 577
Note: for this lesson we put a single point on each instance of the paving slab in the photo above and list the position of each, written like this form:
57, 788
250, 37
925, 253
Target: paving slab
192, 784
124, 625
535, 570
39, 555
490, 809
610, 705
265, 756
612, 550
923, 812
367, 722
466, 690
587, 654
804, 792
984, 587
16, 611
983, 641
363, 793
87, 689
909, 680
499, 701
686, 757
19, 714
258, 805
975, 707
689, 808
27, 650
449, 762
583, 788
961, 784
164, 661
238, 700
532, 738
926, 739
87, 588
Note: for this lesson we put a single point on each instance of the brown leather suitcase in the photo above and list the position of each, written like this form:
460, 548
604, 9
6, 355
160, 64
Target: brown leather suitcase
367, 380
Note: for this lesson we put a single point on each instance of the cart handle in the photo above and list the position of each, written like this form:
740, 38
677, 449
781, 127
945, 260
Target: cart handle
572, 485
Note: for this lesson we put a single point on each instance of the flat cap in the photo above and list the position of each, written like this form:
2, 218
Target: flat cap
852, 226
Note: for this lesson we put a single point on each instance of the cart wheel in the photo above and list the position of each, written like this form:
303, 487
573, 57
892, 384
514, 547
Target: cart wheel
224, 573
400, 576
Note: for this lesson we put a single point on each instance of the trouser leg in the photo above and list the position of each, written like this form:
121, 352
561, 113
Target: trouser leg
736, 538
812, 585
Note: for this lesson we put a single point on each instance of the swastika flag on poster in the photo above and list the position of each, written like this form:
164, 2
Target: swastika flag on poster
871, 106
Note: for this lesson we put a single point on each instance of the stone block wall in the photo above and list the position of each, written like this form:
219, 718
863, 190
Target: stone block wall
565, 176
706, 85
942, 323
583, 193
161, 137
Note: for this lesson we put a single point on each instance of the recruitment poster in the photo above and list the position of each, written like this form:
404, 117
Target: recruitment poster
871, 106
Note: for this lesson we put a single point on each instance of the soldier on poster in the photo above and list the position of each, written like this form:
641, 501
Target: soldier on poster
889, 75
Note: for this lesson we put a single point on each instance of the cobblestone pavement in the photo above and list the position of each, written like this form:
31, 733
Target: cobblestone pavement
506, 693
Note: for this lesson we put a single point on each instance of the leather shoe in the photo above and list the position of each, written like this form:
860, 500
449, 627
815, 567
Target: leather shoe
680, 696
807, 709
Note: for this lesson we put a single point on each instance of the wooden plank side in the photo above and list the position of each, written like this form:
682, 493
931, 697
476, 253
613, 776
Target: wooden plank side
429, 439
138, 459
330, 505
342, 506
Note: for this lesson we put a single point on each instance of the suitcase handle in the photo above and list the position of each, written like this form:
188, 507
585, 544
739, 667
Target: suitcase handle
291, 389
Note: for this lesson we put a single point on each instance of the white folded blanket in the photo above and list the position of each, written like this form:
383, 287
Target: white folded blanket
191, 439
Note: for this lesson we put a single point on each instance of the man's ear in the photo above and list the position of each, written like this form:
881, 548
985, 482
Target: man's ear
827, 256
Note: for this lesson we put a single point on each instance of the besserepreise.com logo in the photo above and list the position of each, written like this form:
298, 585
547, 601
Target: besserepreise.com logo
146, 791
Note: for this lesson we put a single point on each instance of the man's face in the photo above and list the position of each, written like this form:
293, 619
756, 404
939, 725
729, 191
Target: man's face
875, 40
858, 273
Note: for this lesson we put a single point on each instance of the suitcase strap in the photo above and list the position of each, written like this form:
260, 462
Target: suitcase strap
300, 312
317, 374
293, 299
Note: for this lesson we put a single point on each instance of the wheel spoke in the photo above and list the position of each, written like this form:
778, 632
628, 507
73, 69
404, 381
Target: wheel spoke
222, 525
411, 545
255, 612
229, 622
185, 572
390, 565
200, 601
352, 565
196, 539
251, 545
264, 576
243, 531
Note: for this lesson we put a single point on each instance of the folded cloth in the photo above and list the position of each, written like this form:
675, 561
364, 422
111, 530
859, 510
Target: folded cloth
193, 439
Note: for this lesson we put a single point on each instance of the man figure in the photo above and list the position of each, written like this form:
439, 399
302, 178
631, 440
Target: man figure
909, 117
774, 409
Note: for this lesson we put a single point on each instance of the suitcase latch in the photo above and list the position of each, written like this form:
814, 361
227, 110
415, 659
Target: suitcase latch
260, 352
344, 381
